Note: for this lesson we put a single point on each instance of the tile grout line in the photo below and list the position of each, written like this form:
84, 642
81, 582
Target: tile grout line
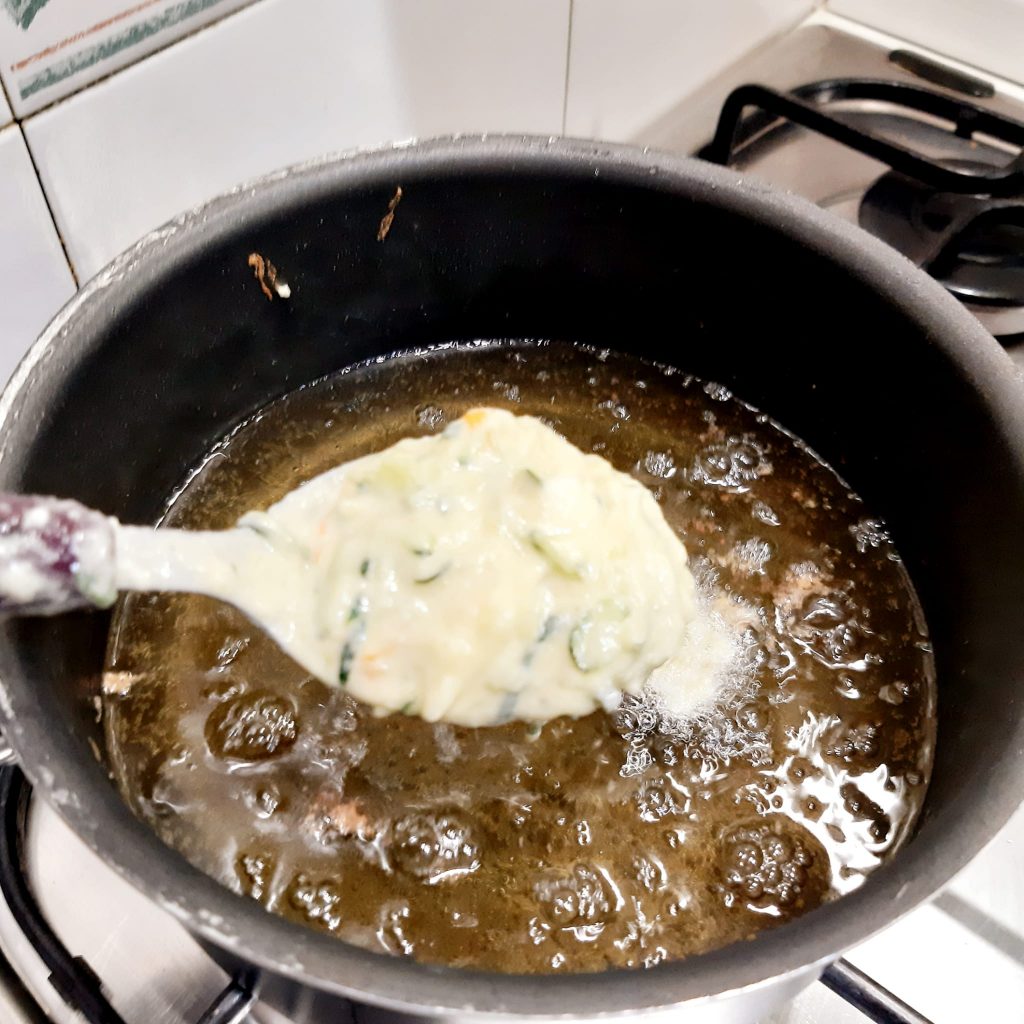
49, 205
16, 122
568, 61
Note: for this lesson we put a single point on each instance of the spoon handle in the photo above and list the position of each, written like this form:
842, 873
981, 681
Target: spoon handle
218, 563
55, 555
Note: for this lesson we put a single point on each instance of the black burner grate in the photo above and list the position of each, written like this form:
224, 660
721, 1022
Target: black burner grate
959, 219
966, 119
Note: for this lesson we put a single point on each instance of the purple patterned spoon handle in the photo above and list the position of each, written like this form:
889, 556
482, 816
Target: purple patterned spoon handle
55, 555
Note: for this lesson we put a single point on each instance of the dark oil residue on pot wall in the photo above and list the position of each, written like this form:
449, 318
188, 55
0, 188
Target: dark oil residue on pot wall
604, 841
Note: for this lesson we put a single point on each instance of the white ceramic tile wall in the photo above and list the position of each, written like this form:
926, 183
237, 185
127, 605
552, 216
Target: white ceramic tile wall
629, 63
986, 33
282, 81
34, 276
50, 49
5, 109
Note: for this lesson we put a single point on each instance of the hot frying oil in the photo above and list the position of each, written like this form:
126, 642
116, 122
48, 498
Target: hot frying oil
616, 839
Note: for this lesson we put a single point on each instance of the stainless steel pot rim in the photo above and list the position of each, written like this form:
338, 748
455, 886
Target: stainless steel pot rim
240, 925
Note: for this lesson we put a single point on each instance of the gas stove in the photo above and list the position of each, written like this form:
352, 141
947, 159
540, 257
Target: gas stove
951, 197
923, 153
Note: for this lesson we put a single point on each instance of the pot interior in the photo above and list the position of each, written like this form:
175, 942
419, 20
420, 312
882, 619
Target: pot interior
181, 344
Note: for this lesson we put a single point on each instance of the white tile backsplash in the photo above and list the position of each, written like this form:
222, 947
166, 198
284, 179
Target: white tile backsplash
5, 109
283, 81
34, 277
629, 63
986, 33
50, 48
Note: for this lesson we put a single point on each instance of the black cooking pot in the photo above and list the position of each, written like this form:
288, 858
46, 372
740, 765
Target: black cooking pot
809, 319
